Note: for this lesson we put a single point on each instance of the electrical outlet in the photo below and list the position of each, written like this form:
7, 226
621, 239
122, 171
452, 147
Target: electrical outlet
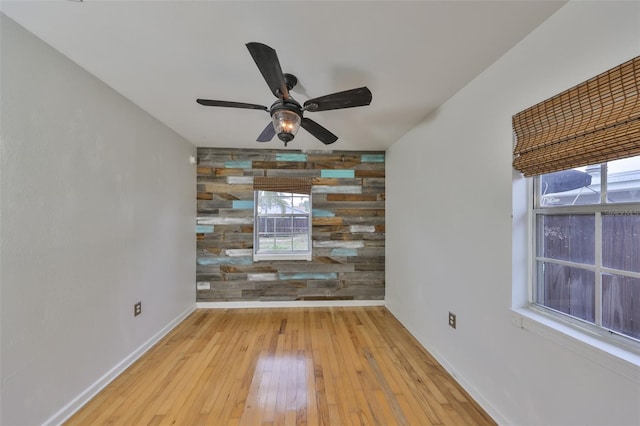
137, 309
452, 320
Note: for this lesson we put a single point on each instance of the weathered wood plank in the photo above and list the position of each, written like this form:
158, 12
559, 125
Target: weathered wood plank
314, 267
339, 244
262, 277
228, 172
360, 212
331, 189
346, 164
224, 260
226, 187
334, 205
240, 180
289, 172
351, 197
204, 196
362, 228
334, 181
217, 220
326, 221
370, 173
269, 165
253, 268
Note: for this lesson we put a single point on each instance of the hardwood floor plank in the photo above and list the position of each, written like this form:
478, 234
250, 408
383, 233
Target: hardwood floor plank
300, 366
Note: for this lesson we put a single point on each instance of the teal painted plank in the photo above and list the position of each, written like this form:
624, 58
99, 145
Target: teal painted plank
237, 164
337, 173
204, 229
372, 158
344, 252
291, 157
322, 213
243, 204
224, 260
308, 276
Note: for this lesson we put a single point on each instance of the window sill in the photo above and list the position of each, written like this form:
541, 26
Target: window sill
257, 257
623, 359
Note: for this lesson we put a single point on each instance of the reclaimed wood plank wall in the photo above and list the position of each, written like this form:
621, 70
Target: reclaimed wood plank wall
348, 202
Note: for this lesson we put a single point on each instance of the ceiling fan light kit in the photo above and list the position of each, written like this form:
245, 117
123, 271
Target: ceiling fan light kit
286, 123
287, 115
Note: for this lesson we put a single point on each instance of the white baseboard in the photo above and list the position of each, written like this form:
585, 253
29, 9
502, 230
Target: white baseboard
68, 410
471, 390
486, 405
288, 304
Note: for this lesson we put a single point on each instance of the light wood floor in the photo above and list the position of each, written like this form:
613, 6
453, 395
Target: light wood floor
314, 366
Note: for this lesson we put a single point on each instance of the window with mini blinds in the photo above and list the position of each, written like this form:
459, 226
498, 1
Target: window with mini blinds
582, 149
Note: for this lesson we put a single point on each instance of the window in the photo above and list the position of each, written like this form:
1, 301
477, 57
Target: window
587, 244
282, 229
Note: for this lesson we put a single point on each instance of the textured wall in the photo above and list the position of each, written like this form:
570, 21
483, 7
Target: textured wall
348, 201
97, 205
463, 247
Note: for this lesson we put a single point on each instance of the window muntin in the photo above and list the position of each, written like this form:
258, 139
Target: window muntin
587, 244
282, 227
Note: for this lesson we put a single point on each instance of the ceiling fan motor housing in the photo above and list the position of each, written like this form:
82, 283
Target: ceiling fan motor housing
286, 116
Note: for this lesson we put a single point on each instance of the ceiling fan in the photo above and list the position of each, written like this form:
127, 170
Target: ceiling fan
286, 113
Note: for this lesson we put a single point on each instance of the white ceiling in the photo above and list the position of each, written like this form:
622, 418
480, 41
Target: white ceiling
162, 55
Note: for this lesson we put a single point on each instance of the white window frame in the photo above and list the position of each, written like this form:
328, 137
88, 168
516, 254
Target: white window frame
591, 209
269, 255
615, 352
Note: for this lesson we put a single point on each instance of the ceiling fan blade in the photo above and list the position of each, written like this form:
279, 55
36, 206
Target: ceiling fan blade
325, 136
267, 61
346, 99
209, 102
267, 134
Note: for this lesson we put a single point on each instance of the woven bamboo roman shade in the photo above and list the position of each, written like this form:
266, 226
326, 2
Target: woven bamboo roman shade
593, 122
295, 185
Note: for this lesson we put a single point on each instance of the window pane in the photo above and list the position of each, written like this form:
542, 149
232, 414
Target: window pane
621, 241
300, 204
282, 222
623, 180
282, 203
621, 304
577, 186
567, 237
300, 231
567, 289
273, 202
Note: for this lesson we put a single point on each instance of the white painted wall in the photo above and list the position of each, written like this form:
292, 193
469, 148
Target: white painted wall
450, 236
97, 212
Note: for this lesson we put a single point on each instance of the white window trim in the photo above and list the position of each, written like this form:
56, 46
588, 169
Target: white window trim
604, 351
616, 353
273, 256
281, 256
